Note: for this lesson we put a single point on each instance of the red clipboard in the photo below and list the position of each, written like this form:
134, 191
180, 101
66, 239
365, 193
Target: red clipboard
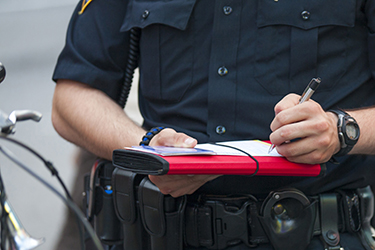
154, 164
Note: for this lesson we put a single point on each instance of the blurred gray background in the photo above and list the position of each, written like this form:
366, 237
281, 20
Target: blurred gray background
32, 34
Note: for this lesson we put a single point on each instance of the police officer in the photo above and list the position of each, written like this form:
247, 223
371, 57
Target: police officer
224, 70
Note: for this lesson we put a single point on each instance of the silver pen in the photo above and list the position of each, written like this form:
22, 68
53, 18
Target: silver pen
306, 95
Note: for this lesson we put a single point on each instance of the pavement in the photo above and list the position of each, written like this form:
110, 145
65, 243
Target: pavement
32, 34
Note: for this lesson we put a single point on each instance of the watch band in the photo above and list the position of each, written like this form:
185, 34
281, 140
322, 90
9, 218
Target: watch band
346, 143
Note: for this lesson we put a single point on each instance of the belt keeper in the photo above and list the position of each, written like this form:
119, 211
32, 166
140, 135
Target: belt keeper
198, 225
329, 220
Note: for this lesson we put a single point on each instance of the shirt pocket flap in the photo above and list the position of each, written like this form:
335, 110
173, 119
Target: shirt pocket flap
144, 13
306, 14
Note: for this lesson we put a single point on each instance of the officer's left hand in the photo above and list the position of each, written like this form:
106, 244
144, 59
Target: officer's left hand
177, 185
313, 131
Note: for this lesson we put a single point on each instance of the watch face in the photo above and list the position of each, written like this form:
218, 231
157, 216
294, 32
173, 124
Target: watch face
351, 131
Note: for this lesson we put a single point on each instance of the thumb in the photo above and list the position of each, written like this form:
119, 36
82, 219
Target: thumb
169, 137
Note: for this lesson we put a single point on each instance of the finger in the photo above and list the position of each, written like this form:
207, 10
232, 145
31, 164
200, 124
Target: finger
319, 128
173, 184
314, 157
288, 133
295, 148
178, 185
287, 102
285, 112
312, 150
287, 125
161, 183
296, 127
299, 113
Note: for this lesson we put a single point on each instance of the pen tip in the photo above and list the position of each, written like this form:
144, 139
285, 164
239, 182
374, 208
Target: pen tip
271, 148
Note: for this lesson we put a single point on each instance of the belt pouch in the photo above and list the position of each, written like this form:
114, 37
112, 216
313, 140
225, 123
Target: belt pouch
288, 219
127, 209
161, 216
86, 196
106, 224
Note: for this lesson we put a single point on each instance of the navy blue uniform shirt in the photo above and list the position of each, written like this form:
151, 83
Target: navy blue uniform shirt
216, 69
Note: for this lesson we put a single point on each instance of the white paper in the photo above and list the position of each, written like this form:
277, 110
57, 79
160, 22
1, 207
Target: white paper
170, 151
252, 147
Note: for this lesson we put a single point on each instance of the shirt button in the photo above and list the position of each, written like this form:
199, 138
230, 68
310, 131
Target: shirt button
222, 71
227, 10
145, 14
220, 130
305, 15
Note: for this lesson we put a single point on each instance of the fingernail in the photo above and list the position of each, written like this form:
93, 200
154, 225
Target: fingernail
189, 142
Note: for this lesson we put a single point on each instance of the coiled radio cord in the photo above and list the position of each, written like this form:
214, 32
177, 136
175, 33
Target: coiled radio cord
132, 64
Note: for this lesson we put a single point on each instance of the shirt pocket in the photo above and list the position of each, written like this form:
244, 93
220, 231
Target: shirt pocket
297, 40
166, 47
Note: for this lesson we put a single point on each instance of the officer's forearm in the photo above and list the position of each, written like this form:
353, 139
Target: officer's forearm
365, 119
90, 119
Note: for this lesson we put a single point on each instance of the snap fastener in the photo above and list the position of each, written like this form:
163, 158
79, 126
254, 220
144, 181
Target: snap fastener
305, 15
278, 209
222, 71
220, 130
145, 14
331, 235
227, 10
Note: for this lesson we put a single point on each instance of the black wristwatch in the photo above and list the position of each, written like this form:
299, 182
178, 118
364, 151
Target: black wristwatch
348, 131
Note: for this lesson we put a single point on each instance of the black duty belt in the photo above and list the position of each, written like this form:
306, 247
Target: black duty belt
152, 220
218, 222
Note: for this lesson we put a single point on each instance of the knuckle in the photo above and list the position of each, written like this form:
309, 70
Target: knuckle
317, 157
322, 125
278, 108
315, 106
324, 141
285, 133
165, 191
291, 159
284, 152
281, 118
310, 107
176, 194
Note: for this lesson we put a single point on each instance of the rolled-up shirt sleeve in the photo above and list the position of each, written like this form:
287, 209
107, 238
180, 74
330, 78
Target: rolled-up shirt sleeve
95, 51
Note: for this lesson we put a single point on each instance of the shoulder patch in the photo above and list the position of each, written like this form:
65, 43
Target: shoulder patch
85, 3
